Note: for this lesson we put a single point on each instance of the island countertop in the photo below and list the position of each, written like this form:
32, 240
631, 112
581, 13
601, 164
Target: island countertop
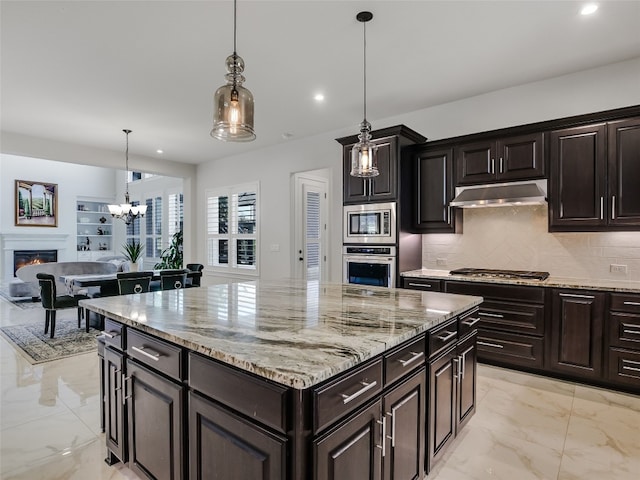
294, 333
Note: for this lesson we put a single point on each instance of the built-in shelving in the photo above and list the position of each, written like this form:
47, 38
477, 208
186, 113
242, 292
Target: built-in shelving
94, 229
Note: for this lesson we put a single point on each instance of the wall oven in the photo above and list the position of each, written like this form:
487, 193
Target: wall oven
370, 223
369, 265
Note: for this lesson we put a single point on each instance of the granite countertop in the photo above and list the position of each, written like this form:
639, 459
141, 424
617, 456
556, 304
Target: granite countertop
294, 333
557, 282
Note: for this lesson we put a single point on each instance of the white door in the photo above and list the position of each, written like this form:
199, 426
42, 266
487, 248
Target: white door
310, 227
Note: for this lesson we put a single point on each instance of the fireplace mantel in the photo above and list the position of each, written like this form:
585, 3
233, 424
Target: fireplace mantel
30, 241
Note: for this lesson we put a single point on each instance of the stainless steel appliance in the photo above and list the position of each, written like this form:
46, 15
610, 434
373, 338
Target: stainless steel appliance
369, 265
486, 272
370, 223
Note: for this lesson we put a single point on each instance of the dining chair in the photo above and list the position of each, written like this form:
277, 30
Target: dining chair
173, 279
52, 302
194, 281
133, 282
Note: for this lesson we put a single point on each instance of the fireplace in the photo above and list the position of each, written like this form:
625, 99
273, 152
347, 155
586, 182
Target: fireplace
32, 257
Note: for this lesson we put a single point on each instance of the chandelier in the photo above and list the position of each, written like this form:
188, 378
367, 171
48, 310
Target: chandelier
125, 211
233, 103
364, 154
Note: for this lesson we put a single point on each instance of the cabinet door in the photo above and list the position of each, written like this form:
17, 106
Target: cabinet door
114, 411
466, 398
442, 401
379, 188
404, 409
577, 333
476, 163
434, 190
520, 158
577, 187
155, 410
351, 451
226, 446
624, 172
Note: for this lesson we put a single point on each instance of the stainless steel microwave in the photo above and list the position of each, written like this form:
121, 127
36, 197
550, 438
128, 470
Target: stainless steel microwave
370, 223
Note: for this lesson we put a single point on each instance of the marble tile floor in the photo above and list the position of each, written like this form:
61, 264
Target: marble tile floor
525, 427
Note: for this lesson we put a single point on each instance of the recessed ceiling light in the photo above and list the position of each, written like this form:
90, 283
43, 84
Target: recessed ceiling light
159, 151
589, 9
287, 135
318, 97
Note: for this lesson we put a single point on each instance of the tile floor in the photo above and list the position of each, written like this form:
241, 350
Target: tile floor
525, 427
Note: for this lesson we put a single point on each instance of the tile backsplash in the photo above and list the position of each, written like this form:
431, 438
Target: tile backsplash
517, 238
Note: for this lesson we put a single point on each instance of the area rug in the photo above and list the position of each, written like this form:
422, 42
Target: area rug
37, 347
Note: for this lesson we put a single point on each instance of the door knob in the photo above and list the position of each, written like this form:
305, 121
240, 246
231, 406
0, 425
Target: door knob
300, 258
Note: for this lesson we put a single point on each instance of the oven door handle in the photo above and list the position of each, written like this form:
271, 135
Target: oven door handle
369, 259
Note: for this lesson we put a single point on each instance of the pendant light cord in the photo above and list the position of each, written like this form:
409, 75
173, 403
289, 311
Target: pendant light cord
365, 70
126, 178
235, 6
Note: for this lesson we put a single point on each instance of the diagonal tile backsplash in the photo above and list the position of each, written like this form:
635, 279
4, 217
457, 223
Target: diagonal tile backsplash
517, 238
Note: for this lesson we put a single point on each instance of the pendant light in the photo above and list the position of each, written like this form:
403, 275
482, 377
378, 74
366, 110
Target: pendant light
233, 103
364, 155
125, 211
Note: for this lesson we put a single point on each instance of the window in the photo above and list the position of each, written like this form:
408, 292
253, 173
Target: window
232, 228
153, 227
176, 213
133, 229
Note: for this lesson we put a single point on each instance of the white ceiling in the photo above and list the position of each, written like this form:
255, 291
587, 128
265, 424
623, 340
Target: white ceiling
81, 71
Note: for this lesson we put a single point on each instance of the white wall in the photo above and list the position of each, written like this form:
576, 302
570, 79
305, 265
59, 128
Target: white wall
604, 88
73, 181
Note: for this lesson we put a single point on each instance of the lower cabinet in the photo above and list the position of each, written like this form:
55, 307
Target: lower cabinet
576, 346
623, 341
224, 445
114, 410
155, 408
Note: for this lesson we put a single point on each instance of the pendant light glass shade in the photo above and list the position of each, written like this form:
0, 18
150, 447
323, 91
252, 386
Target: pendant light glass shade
233, 106
125, 211
233, 103
364, 154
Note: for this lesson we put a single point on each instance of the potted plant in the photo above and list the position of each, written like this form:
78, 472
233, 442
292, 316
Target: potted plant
133, 252
171, 257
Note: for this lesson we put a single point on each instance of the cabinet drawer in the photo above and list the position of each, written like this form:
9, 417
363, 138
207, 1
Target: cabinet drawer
510, 293
468, 322
510, 348
259, 399
157, 354
113, 334
442, 337
334, 400
404, 360
422, 284
624, 330
624, 367
512, 317
625, 303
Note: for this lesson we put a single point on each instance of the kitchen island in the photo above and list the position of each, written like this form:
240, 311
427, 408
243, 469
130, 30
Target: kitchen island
278, 379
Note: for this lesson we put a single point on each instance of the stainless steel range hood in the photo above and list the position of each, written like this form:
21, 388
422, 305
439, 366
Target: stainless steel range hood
501, 195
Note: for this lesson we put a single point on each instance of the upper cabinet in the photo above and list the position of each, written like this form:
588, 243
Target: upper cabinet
386, 186
499, 160
432, 183
595, 170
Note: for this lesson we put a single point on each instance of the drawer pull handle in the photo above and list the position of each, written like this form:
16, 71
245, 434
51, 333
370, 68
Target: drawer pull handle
152, 354
470, 323
446, 336
631, 332
414, 356
631, 361
487, 344
366, 387
494, 315
574, 295
634, 304
633, 369
112, 334
421, 285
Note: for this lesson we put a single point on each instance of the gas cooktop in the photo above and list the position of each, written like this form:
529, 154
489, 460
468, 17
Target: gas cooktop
485, 272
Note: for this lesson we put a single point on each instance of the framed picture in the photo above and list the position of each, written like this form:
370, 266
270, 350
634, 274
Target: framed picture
36, 204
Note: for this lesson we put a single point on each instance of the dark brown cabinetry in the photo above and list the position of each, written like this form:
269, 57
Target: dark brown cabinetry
385, 186
224, 445
577, 342
442, 402
624, 341
594, 176
429, 285
114, 409
503, 159
512, 322
433, 187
